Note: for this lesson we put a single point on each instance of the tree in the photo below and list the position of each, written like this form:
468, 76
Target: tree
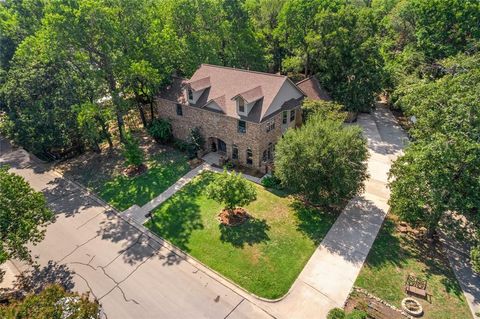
327, 109
132, 152
346, 56
143, 81
440, 170
323, 161
52, 302
93, 125
232, 190
23, 216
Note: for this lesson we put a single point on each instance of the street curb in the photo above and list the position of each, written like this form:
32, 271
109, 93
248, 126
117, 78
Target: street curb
177, 251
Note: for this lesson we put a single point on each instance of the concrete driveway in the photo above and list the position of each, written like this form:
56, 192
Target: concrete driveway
89, 248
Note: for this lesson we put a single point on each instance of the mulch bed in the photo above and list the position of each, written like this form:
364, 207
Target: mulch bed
233, 217
133, 170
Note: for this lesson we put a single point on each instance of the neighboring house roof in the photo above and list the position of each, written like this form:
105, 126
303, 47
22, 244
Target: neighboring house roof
312, 89
270, 93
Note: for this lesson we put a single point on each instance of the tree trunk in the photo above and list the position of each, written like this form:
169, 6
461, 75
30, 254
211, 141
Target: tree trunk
105, 131
116, 102
152, 115
142, 115
97, 148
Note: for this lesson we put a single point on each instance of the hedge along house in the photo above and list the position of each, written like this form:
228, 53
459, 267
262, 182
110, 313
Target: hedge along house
240, 113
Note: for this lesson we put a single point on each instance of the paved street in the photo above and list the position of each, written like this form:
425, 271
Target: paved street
130, 275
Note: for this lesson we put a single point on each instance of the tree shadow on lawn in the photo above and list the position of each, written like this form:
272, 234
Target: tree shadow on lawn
253, 231
398, 249
312, 221
176, 219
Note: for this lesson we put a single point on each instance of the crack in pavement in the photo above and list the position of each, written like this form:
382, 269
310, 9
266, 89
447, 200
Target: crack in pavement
117, 284
89, 220
88, 285
78, 246
123, 251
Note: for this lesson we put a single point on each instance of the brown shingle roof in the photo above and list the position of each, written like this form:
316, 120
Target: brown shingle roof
311, 87
224, 84
251, 95
199, 84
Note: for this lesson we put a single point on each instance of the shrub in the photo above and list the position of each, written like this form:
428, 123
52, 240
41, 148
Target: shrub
196, 139
475, 258
271, 182
131, 151
357, 314
160, 130
232, 190
336, 313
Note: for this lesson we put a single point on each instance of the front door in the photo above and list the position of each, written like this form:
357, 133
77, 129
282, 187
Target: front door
222, 147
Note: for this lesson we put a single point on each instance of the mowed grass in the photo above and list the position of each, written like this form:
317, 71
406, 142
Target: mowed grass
395, 255
164, 169
264, 255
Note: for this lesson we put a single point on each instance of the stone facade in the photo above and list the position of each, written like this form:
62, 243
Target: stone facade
214, 126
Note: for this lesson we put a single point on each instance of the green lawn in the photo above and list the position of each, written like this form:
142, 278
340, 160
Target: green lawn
264, 255
394, 256
164, 169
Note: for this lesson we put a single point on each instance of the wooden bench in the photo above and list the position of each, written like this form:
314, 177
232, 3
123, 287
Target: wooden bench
416, 286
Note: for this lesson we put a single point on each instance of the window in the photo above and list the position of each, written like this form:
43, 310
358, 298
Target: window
241, 105
284, 117
242, 126
292, 115
249, 157
270, 125
190, 94
179, 110
234, 152
264, 156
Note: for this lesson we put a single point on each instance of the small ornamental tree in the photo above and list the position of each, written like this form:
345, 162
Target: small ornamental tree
324, 161
23, 216
132, 152
232, 190
52, 302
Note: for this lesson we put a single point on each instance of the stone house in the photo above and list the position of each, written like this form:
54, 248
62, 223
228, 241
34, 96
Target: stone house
240, 113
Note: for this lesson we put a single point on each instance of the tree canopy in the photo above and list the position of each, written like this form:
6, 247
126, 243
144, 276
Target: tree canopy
23, 216
232, 190
52, 302
323, 161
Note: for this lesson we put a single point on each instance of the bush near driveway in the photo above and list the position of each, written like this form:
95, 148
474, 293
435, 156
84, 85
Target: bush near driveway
264, 255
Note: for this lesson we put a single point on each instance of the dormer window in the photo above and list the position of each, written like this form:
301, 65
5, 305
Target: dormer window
241, 105
190, 94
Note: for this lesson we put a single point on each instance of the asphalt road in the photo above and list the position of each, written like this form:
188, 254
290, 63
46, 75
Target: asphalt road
89, 248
